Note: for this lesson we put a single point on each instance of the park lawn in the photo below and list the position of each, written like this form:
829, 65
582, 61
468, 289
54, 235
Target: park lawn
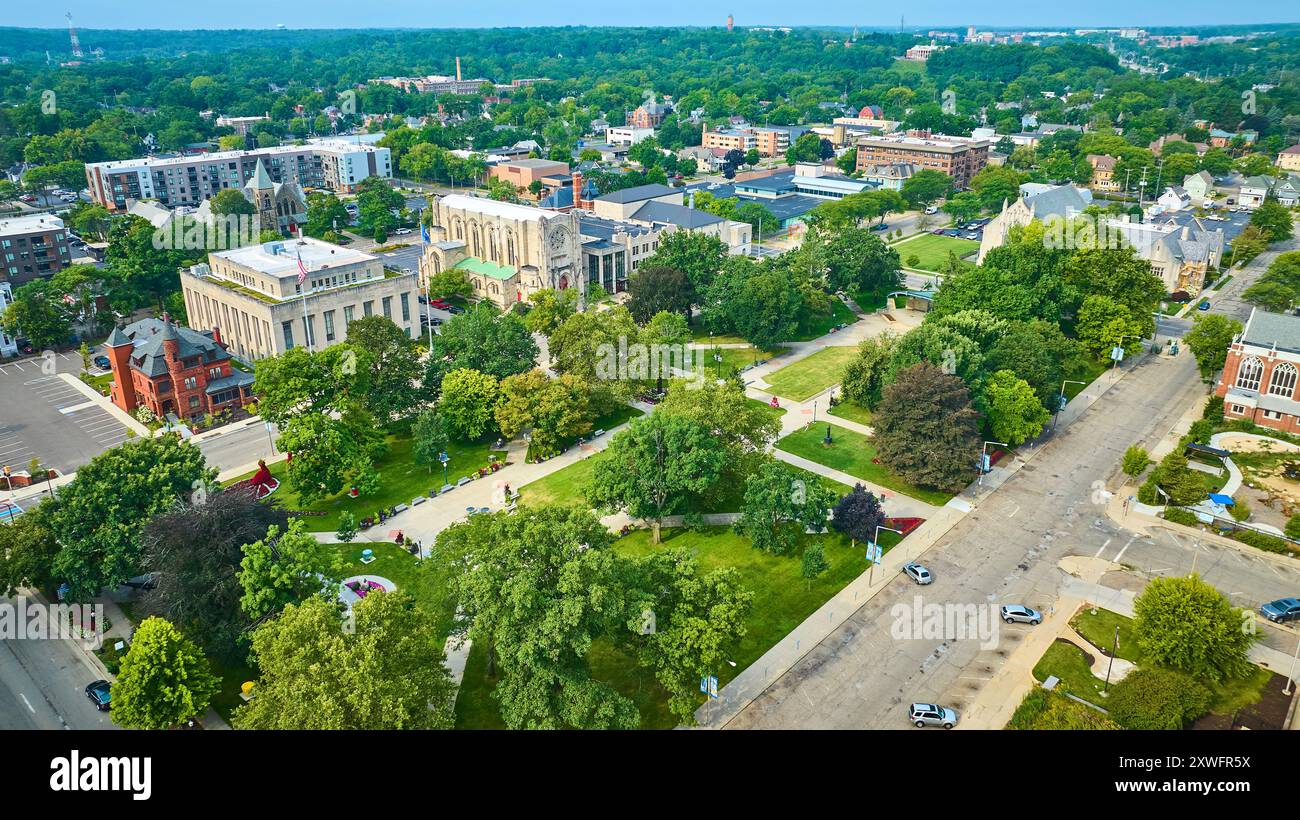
811, 375
735, 358
819, 326
783, 599
774, 412
401, 480
851, 411
933, 250
1068, 662
852, 453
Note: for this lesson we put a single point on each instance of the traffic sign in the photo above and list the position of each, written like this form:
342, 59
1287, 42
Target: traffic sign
713, 686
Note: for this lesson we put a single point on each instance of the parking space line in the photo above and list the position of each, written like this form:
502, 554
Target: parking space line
1102, 548
1125, 549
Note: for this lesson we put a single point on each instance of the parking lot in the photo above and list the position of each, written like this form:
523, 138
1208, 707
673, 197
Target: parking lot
44, 417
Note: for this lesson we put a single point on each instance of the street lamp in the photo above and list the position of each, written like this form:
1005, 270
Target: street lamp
1060, 404
1120, 345
875, 543
444, 458
984, 465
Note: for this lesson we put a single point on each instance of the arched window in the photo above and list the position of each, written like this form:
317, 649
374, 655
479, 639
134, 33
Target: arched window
510, 247
458, 227
494, 246
1249, 372
476, 240
1282, 381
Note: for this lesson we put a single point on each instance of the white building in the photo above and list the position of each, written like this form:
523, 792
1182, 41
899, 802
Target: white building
627, 134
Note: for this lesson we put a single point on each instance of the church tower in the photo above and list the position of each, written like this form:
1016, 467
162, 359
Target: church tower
262, 191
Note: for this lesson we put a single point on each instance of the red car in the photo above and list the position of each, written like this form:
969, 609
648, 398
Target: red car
439, 304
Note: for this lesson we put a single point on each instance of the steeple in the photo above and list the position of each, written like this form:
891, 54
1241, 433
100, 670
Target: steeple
261, 179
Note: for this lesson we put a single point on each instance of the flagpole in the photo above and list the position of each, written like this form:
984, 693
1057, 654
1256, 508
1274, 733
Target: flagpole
428, 296
302, 282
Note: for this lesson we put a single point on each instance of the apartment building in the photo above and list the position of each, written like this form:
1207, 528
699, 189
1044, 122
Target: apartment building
522, 173
769, 140
434, 84
958, 157
8, 344
334, 164
32, 247
251, 296
729, 139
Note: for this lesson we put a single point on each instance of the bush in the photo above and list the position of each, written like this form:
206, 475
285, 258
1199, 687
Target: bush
1157, 699
1240, 510
913, 261
1135, 461
1200, 431
1147, 492
1186, 624
1042, 709
1214, 410
1178, 515
1264, 541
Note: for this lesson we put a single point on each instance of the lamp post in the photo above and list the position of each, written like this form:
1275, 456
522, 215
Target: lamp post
1060, 404
444, 458
984, 468
1120, 345
875, 544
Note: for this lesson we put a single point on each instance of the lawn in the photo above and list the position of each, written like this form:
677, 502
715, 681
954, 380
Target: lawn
851, 411
401, 480
774, 412
809, 376
821, 325
852, 453
735, 358
782, 600
933, 250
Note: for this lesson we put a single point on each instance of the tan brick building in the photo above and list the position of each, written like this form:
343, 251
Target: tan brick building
959, 157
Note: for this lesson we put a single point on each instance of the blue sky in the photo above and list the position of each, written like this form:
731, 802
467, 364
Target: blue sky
429, 14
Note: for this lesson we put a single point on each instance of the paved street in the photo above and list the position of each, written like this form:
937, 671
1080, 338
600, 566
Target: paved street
1006, 550
237, 445
42, 685
1229, 301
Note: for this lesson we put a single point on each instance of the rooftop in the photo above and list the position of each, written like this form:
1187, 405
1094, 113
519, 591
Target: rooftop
29, 224
485, 268
638, 194
1264, 329
281, 258
491, 207
679, 215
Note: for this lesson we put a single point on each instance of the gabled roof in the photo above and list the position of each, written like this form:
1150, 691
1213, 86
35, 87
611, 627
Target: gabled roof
149, 335
1264, 329
680, 215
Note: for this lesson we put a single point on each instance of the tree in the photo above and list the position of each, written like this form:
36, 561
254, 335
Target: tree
1271, 295
1105, 323
995, 184
331, 453
1184, 623
482, 340
325, 213
752, 157
556, 411
232, 202
385, 671
814, 562
653, 467
1182, 485
468, 402
858, 261
38, 314
926, 186
698, 255
1209, 338
1036, 351
99, 515
347, 531
537, 587
392, 366
1014, 412
1274, 219
27, 549
658, 289
429, 437
1135, 461
285, 567
163, 679
1157, 699
549, 308
195, 550
450, 282
586, 341
858, 514
780, 505
864, 376
964, 206
926, 431
759, 301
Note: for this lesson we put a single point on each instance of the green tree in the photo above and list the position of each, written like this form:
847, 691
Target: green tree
925, 187
858, 261
386, 670
482, 340
450, 282
1181, 484
100, 513
1157, 699
926, 431
1135, 461
1014, 412
780, 505
814, 562
864, 376
652, 468
429, 437
391, 365
1209, 338
658, 289
468, 402
549, 308
1105, 323
28, 546
325, 213
698, 255
163, 679
555, 411
347, 531
285, 567
759, 301
38, 314
1184, 623
232, 202
1274, 219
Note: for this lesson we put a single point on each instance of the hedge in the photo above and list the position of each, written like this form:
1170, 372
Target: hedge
1180, 516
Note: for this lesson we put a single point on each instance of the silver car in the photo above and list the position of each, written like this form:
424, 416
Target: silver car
1021, 614
918, 573
921, 715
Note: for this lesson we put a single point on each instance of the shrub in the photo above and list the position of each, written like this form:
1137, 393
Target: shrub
1240, 510
1180, 516
1264, 541
1186, 624
1293, 527
1157, 699
1147, 492
1200, 431
1135, 461
913, 261
1042, 709
1214, 410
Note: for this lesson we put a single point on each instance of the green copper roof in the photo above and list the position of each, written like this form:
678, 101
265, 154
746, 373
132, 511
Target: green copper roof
484, 268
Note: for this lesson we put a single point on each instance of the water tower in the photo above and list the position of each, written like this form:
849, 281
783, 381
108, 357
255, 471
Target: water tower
731, 22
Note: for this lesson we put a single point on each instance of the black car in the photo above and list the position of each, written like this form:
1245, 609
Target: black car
100, 695
454, 309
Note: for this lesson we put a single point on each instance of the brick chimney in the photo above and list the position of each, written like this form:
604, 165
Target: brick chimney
216, 335
577, 189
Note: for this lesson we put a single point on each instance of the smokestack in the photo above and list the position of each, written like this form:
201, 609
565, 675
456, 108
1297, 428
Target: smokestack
577, 189
458, 69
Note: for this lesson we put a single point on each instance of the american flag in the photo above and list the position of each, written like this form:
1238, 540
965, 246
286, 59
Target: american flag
302, 270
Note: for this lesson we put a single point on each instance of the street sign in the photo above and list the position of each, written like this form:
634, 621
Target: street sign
713, 686
874, 552
444, 458
704, 685
1061, 401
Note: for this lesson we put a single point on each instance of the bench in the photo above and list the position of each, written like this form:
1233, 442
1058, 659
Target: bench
446, 488
400, 508
463, 481
419, 499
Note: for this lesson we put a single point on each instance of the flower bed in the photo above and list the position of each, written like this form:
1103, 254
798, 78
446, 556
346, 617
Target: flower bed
904, 525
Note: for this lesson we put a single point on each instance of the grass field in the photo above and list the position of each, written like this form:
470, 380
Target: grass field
401, 479
852, 453
735, 358
840, 314
809, 376
933, 250
852, 412
782, 600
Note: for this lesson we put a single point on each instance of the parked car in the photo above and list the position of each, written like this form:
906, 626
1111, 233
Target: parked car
1283, 609
921, 715
881, 227
938, 231
102, 363
1021, 614
403, 231
918, 573
972, 236
439, 303
100, 695
455, 309
932, 210
1204, 305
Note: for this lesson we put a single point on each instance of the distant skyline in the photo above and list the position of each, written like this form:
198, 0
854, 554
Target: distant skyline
258, 14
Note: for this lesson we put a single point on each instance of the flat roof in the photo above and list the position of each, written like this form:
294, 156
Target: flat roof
30, 224
339, 144
316, 255
492, 207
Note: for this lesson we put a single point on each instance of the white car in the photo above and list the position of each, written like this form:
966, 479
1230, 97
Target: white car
403, 231
1021, 614
918, 573
921, 715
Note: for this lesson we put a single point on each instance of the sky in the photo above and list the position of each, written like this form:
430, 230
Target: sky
257, 14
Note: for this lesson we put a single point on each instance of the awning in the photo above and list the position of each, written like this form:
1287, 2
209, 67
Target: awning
1221, 499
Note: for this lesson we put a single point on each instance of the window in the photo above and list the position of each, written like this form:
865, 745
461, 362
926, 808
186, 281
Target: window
329, 325
287, 327
406, 307
1238, 410
1282, 381
1249, 372
347, 316
388, 307
368, 308
1272, 415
